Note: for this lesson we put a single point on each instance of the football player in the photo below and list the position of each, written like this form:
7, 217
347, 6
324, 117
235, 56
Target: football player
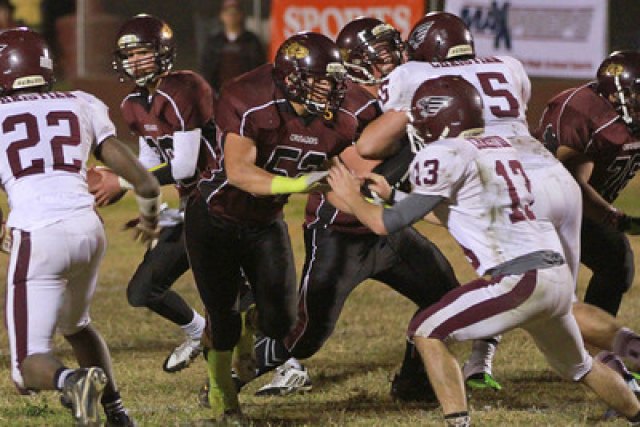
58, 239
477, 186
171, 112
441, 44
594, 129
341, 253
280, 124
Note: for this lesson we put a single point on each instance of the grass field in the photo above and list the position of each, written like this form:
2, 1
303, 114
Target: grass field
350, 374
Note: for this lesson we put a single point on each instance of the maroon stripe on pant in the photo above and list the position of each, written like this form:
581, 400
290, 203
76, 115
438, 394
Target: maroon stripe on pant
301, 324
20, 318
478, 312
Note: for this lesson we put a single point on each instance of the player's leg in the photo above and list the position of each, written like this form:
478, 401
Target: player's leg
414, 267
267, 261
89, 347
150, 287
608, 254
335, 263
37, 290
560, 341
32, 305
212, 246
476, 310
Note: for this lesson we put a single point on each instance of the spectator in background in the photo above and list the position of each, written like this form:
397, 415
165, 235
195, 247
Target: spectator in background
7, 19
51, 10
237, 48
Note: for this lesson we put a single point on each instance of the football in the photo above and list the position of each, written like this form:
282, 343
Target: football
104, 185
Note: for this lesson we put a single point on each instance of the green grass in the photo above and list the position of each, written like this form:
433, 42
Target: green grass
351, 373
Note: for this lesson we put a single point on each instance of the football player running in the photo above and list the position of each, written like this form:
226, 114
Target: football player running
341, 253
171, 112
280, 124
476, 185
58, 239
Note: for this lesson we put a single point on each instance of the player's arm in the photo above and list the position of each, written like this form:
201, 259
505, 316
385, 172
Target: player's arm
581, 167
117, 156
240, 158
379, 138
380, 220
186, 145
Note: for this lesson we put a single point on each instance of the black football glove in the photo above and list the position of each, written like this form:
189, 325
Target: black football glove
629, 224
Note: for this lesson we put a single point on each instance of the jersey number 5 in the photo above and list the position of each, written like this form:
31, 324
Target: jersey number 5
487, 83
32, 139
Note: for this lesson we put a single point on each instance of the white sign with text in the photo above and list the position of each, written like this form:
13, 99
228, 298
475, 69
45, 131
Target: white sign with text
552, 38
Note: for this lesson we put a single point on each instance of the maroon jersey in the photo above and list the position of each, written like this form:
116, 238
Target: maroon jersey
183, 101
581, 119
287, 144
318, 211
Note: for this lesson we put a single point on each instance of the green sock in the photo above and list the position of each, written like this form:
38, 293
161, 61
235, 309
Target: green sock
222, 391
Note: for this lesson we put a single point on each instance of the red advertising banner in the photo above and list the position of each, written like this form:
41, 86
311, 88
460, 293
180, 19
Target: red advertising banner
329, 16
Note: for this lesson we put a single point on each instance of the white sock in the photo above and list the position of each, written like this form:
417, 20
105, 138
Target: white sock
62, 377
295, 363
195, 328
481, 358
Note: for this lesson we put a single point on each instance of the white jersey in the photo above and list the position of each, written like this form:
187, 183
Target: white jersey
501, 80
46, 141
488, 209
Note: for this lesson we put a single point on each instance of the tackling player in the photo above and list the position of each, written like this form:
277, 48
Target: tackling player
280, 124
58, 239
341, 253
478, 188
441, 44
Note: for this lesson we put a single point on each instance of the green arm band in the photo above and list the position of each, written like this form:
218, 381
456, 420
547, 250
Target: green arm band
284, 185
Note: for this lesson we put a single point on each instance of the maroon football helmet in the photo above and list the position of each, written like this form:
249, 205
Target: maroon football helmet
370, 48
619, 82
25, 61
440, 36
309, 69
444, 107
144, 32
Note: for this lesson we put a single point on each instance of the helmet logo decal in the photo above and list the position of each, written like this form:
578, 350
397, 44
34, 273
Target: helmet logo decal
418, 35
429, 106
127, 39
28, 81
460, 50
614, 69
296, 50
2, 47
381, 29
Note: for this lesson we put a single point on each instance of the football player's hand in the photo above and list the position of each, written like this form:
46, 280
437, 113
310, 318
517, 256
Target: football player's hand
629, 224
378, 185
343, 182
104, 185
145, 229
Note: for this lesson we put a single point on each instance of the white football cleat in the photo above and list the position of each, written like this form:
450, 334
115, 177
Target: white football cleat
83, 390
183, 355
286, 380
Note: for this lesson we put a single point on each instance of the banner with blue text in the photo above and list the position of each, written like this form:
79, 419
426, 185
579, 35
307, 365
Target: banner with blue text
552, 38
